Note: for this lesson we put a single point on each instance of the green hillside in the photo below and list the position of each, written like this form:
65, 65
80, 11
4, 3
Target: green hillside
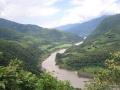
30, 43
22, 49
82, 29
40, 33
95, 49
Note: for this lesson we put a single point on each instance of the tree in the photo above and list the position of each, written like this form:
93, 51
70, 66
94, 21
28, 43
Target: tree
109, 78
14, 77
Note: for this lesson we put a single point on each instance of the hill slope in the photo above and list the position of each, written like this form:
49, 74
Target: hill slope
29, 43
39, 32
96, 48
82, 29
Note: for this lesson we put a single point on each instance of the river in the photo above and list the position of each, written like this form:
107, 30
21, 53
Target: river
77, 44
61, 74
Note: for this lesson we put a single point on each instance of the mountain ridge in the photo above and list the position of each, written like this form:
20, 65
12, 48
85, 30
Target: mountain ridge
82, 29
98, 46
29, 43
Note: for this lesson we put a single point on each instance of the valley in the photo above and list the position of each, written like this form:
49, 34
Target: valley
49, 65
37, 58
90, 56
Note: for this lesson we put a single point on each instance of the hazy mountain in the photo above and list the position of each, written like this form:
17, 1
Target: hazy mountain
82, 29
105, 39
36, 31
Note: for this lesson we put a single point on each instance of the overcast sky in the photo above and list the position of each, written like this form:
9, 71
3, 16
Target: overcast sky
52, 13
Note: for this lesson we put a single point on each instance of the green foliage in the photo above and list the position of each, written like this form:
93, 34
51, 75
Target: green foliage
29, 43
47, 82
11, 50
107, 79
36, 32
96, 48
10, 35
14, 77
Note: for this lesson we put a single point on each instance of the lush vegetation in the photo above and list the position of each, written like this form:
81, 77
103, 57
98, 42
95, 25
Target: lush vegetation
14, 77
10, 50
30, 44
108, 78
38, 34
95, 49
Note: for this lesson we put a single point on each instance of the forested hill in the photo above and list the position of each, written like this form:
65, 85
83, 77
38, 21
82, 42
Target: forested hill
96, 48
109, 29
82, 29
22, 49
39, 32
29, 43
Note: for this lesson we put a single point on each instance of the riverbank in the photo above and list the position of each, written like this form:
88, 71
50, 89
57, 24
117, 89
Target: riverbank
80, 73
61, 74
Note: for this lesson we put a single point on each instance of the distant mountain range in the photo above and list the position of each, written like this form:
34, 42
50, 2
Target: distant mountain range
98, 46
37, 31
82, 29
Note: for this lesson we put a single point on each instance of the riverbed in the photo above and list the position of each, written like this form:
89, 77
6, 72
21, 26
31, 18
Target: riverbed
62, 74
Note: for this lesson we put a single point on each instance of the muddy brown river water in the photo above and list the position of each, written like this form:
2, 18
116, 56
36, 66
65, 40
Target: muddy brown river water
62, 74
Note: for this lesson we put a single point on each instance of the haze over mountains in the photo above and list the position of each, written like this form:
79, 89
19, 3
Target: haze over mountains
45, 40
59, 44
105, 39
31, 44
82, 29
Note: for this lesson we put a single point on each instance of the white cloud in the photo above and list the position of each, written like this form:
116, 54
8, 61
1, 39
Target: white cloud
2, 5
83, 10
27, 8
28, 11
113, 9
38, 11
